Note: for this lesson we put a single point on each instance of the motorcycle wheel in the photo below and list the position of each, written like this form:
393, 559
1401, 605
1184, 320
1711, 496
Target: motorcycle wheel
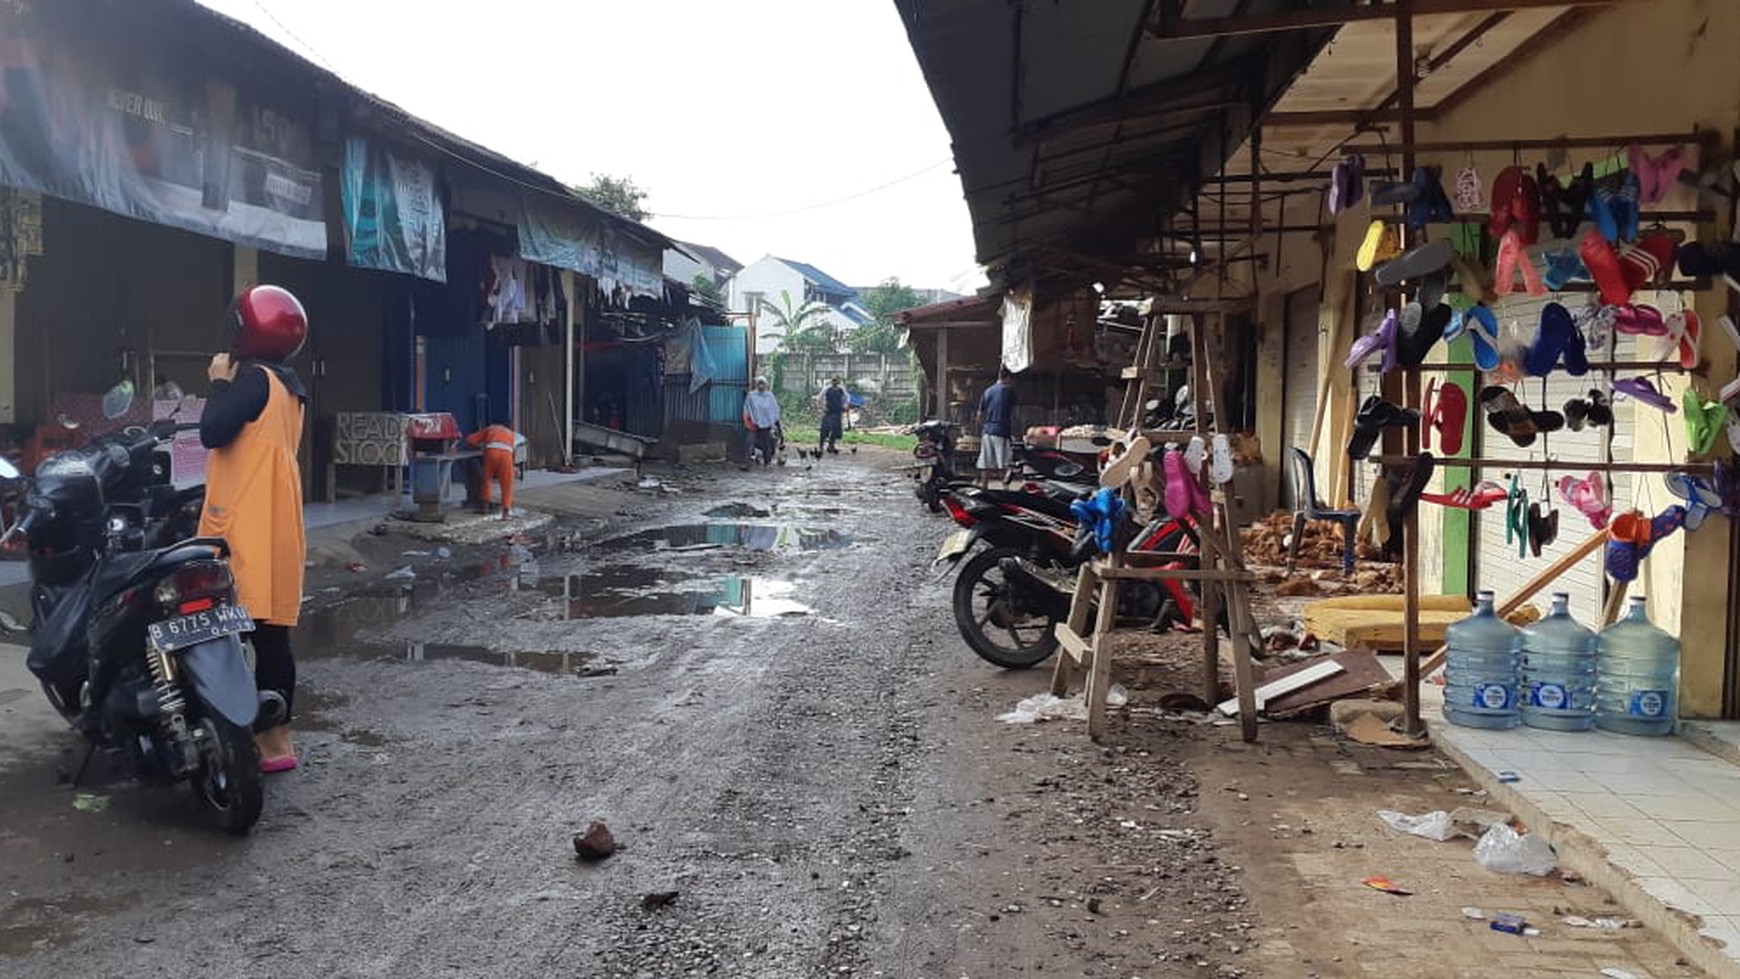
987, 613
228, 782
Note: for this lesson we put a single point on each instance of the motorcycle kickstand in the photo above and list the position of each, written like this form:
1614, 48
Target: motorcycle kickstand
79, 776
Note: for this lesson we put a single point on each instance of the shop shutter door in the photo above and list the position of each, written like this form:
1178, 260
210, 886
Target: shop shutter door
1299, 410
1497, 565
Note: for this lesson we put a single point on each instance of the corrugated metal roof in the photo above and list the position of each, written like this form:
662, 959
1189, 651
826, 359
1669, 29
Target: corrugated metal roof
1076, 127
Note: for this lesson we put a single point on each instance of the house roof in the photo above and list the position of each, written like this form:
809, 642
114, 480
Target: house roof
714, 257
855, 313
965, 309
820, 278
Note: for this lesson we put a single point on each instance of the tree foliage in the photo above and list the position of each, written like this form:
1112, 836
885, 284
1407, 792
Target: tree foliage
702, 285
882, 334
802, 327
618, 195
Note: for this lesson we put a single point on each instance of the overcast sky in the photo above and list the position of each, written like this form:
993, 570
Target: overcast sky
731, 114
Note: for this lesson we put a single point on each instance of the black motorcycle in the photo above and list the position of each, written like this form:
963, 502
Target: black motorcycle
136, 633
935, 455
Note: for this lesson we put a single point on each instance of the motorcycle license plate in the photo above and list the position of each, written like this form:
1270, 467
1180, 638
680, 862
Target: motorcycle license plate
191, 630
955, 545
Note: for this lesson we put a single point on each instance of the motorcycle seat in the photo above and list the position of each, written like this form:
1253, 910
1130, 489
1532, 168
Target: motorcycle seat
1033, 501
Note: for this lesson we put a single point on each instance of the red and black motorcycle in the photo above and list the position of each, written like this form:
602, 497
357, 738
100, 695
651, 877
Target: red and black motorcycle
1010, 595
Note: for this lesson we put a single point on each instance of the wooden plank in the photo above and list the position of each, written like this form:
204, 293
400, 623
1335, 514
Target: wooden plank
1322, 669
1079, 605
1100, 668
1363, 674
1076, 647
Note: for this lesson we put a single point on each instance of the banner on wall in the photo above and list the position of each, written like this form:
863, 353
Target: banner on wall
617, 262
393, 216
120, 127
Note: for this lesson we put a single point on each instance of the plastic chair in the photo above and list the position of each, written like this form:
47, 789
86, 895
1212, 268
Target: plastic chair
1309, 507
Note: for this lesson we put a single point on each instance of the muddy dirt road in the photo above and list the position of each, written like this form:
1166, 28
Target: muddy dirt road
758, 686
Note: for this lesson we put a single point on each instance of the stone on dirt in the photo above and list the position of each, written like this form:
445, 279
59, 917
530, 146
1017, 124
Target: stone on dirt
596, 843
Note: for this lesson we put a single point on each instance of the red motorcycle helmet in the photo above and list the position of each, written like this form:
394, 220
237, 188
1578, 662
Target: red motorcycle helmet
268, 324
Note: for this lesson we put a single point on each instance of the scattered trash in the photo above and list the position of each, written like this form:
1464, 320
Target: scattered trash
1504, 850
402, 574
378, 530
444, 552
415, 553
1474, 914
1093, 905
356, 566
10, 624
1505, 921
1508, 777
1046, 707
90, 802
658, 899
597, 843
649, 482
1600, 924
1386, 885
1433, 825
1440, 825
1117, 696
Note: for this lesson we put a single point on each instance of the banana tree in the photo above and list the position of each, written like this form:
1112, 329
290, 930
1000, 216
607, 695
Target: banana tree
802, 327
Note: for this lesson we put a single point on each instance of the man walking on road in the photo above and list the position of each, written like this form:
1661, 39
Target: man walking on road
997, 421
760, 415
833, 411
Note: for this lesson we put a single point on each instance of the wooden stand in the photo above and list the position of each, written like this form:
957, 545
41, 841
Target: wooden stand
1222, 575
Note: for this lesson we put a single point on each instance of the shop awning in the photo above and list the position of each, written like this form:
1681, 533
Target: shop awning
1076, 127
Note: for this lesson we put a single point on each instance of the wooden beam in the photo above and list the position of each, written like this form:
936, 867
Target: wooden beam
1156, 97
1174, 27
1556, 142
1542, 39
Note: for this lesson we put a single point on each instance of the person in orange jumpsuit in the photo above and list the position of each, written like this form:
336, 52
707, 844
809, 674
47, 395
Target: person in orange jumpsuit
497, 442
252, 424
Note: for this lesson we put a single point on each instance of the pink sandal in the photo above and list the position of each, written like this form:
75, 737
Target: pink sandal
273, 766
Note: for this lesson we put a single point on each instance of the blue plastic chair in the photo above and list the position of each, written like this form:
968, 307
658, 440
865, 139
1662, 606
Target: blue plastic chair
1308, 507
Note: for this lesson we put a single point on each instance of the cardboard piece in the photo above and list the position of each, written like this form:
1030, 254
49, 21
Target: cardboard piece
1371, 729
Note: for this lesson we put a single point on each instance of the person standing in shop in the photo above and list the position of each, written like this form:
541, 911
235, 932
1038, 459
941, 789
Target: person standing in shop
252, 424
996, 425
497, 442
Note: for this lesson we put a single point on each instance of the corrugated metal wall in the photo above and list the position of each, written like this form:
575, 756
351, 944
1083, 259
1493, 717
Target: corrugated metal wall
722, 399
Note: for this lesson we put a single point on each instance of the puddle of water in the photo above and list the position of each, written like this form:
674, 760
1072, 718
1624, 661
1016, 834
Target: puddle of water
564, 663
330, 633
753, 536
28, 924
618, 591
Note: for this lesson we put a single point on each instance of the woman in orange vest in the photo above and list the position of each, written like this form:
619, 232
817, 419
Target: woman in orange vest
497, 442
253, 494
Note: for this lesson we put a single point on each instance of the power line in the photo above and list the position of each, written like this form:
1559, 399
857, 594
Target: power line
810, 207
294, 37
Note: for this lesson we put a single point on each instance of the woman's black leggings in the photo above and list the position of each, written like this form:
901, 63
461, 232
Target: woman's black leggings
274, 668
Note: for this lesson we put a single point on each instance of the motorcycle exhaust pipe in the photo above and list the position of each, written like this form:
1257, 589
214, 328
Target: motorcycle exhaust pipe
1039, 592
273, 710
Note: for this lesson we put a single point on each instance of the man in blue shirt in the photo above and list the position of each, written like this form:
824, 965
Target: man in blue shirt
997, 425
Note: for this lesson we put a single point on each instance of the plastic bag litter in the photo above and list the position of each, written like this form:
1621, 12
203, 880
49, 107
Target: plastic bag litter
1506, 851
1433, 825
1045, 707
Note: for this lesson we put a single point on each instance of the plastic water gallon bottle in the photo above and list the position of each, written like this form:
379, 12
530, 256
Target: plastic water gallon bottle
1558, 671
1637, 676
1481, 669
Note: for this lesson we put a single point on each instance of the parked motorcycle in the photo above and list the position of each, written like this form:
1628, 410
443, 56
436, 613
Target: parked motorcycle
136, 630
935, 453
1011, 594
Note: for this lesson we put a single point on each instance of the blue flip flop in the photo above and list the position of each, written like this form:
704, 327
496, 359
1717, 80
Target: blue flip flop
1482, 327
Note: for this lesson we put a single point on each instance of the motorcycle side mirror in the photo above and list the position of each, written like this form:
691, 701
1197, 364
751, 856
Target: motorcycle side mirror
7, 469
67, 422
1067, 469
118, 400
167, 391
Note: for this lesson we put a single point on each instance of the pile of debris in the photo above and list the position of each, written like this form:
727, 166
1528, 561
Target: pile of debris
1266, 540
1367, 579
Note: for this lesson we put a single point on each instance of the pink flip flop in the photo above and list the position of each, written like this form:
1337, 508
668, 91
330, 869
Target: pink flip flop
273, 766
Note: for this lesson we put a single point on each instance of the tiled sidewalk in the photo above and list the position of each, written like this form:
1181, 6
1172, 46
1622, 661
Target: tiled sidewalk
1654, 820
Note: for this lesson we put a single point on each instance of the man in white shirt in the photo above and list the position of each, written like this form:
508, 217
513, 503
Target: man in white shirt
760, 416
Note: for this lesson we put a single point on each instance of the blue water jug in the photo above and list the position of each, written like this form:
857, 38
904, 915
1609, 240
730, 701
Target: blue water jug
1481, 669
1558, 671
1637, 676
